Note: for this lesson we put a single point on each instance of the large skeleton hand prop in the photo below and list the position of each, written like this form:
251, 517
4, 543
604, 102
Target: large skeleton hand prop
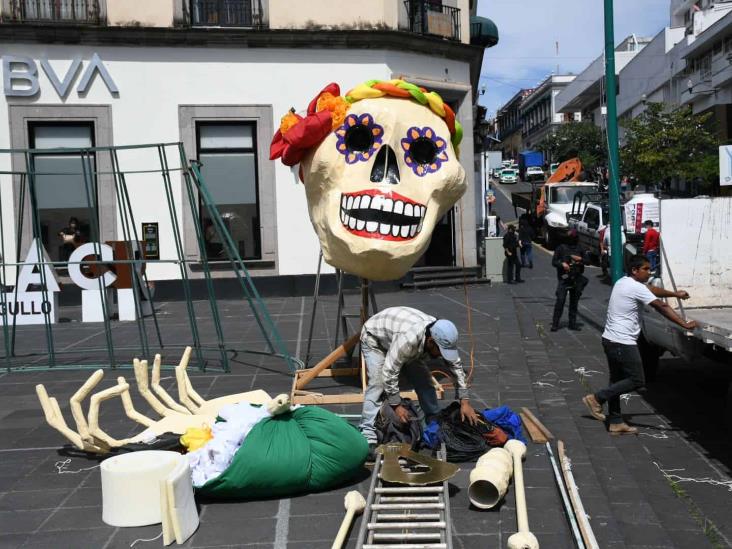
176, 418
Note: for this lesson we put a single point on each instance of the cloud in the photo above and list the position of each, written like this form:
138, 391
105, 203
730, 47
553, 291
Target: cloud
537, 37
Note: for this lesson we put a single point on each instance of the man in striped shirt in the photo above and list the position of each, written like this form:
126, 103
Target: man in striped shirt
396, 342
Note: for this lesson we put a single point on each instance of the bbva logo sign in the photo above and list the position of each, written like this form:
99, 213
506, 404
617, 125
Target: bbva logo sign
20, 76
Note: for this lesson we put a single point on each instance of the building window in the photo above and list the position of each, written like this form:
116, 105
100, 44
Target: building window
705, 66
66, 199
226, 13
228, 156
58, 11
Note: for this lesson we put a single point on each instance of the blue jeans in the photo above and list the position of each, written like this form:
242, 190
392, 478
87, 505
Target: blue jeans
527, 255
416, 373
653, 259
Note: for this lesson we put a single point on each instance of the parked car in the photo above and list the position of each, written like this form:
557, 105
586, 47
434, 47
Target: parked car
534, 173
508, 176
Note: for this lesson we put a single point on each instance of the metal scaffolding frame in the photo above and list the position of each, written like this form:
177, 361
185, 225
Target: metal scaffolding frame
171, 158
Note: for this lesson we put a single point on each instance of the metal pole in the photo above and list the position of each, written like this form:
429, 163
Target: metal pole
616, 259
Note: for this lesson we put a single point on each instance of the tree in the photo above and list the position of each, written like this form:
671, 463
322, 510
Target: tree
577, 139
663, 144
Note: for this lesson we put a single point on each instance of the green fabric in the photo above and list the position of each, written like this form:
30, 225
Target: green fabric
307, 450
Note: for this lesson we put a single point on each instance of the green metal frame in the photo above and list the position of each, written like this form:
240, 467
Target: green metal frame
193, 187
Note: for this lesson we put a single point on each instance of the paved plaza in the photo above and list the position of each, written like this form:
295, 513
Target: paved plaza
668, 487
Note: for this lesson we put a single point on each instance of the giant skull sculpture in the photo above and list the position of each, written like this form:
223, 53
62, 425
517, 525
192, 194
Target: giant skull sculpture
379, 177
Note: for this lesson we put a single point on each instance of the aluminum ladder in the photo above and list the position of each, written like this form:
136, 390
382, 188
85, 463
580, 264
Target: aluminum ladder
405, 517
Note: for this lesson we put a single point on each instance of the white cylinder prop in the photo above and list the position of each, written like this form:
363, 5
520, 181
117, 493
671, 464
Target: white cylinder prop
523, 539
489, 480
131, 486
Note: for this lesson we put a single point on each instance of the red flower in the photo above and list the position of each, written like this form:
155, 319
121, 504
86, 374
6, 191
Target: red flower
306, 134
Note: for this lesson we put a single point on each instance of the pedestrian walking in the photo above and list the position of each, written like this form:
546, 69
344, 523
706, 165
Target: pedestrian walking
619, 340
511, 249
568, 262
526, 236
651, 245
395, 344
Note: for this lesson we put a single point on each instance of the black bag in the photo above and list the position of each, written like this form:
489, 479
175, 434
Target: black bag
463, 441
390, 429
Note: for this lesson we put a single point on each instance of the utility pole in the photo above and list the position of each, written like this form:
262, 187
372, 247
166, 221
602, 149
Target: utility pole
616, 243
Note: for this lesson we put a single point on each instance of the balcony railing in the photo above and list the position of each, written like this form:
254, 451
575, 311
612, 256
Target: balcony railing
56, 11
431, 17
226, 13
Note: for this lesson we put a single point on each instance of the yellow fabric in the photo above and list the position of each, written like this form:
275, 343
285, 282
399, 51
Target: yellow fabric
196, 437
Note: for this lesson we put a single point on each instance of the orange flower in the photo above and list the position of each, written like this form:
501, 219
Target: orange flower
336, 104
288, 121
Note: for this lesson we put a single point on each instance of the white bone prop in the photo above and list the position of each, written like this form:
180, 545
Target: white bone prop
198, 405
354, 504
523, 539
177, 505
279, 404
378, 229
131, 486
55, 419
158, 389
489, 480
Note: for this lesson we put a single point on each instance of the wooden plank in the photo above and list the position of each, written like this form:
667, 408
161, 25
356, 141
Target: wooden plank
536, 435
588, 536
304, 397
306, 376
340, 372
547, 433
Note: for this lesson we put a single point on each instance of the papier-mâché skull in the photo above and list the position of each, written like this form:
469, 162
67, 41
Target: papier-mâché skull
378, 183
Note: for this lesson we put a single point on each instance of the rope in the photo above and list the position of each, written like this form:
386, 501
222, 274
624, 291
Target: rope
61, 467
142, 539
471, 371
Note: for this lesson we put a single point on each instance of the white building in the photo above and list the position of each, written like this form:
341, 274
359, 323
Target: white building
218, 78
539, 114
586, 94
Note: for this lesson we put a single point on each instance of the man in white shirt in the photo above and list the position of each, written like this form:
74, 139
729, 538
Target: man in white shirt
395, 343
606, 248
619, 340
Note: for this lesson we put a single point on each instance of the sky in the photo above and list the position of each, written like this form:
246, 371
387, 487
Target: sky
529, 30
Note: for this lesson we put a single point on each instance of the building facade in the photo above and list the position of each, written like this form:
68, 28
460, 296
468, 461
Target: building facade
539, 116
509, 126
586, 93
216, 76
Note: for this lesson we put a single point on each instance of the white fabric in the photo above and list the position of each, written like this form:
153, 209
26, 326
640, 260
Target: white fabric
623, 312
212, 459
606, 239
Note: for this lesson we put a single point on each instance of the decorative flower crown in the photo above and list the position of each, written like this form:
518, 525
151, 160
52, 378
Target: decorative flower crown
298, 134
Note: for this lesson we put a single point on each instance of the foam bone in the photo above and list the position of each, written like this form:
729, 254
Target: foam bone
354, 504
523, 539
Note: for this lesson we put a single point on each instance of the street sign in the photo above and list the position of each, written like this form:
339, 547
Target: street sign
725, 165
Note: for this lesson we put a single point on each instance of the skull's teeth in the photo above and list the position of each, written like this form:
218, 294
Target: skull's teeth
406, 229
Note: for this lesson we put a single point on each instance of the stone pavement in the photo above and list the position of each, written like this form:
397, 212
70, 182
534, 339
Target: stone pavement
631, 501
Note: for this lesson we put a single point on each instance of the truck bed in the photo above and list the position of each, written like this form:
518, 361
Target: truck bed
715, 325
522, 200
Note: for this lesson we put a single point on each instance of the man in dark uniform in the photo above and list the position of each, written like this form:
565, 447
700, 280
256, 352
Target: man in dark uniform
568, 262
511, 247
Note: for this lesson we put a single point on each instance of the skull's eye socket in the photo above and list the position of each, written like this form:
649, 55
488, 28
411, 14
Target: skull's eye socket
359, 138
423, 150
